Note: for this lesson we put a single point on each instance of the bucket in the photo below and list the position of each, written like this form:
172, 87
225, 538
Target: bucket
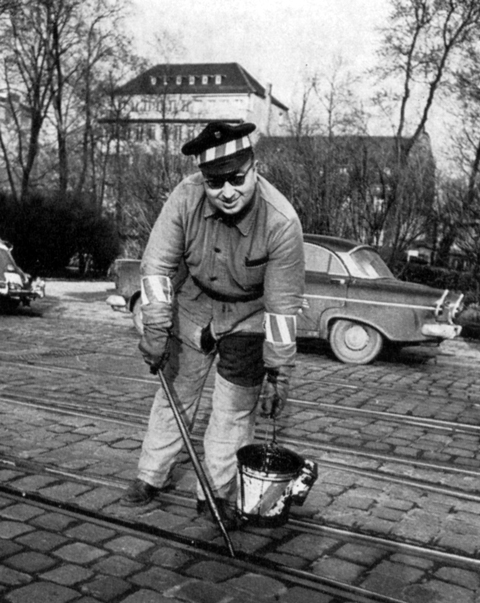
266, 475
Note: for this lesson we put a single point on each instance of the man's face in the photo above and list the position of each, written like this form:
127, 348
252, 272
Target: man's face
232, 192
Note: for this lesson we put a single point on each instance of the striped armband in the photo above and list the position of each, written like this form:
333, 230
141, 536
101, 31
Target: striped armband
156, 289
280, 328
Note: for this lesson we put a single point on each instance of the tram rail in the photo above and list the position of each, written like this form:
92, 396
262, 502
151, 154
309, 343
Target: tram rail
45, 380
432, 391
407, 419
318, 452
342, 591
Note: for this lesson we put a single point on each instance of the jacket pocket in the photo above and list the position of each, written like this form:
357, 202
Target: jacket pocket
254, 274
256, 262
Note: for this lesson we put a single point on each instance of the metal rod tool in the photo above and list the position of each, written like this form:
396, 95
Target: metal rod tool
202, 478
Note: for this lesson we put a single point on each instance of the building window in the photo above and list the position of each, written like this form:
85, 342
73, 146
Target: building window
151, 133
204, 79
218, 79
147, 105
139, 133
178, 80
177, 134
191, 80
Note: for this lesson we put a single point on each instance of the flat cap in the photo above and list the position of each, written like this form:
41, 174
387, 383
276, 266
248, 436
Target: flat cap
221, 148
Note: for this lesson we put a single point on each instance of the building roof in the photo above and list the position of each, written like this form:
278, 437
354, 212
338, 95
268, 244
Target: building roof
234, 79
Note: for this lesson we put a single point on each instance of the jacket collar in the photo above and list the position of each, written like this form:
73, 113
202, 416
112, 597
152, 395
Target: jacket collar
244, 223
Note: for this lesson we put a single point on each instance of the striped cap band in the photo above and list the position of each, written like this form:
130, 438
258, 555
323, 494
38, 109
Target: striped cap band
280, 328
224, 150
156, 289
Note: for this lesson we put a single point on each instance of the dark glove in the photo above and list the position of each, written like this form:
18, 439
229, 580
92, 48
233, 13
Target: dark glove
275, 392
154, 346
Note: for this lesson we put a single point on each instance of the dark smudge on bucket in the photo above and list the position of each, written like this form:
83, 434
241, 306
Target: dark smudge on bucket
269, 458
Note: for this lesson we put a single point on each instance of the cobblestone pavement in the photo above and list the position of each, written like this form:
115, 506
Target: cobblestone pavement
66, 553
54, 557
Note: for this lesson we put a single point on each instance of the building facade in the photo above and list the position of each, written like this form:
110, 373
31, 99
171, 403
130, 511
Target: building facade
177, 100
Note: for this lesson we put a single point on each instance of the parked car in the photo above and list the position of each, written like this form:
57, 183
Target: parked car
127, 297
352, 301
16, 286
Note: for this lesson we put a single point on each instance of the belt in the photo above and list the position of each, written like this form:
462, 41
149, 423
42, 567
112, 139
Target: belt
228, 298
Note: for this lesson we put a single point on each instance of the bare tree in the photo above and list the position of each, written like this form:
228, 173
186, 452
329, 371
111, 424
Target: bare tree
27, 81
459, 207
311, 167
144, 135
422, 40
335, 91
421, 44
85, 46
57, 56
466, 87
303, 120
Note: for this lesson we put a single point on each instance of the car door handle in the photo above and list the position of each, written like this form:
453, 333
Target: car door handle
338, 281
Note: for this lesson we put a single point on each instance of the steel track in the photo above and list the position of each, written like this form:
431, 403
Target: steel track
252, 562
248, 562
401, 391
304, 526
423, 422
128, 419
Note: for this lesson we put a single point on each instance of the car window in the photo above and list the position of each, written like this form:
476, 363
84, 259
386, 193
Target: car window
5, 260
319, 259
367, 263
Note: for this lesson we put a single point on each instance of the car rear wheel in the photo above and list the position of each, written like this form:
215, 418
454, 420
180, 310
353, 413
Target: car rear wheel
355, 343
137, 315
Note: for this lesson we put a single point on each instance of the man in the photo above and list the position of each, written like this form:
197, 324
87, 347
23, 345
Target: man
222, 274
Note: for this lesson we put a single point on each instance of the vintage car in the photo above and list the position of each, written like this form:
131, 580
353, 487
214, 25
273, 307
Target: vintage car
352, 301
16, 287
127, 296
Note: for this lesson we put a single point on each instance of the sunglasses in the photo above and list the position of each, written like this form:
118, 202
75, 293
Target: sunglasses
234, 180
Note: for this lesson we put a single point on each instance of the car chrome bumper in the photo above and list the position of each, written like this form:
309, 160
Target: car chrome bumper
23, 294
444, 331
38, 287
117, 302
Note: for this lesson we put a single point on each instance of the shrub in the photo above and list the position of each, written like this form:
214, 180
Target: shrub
47, 232
440, 278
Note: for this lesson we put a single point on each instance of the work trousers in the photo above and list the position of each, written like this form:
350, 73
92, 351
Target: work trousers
238, 382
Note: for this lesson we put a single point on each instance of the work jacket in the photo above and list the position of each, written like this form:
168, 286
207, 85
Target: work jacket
199, 269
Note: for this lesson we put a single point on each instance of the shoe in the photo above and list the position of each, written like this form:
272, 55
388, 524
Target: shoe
139, 493
227, 513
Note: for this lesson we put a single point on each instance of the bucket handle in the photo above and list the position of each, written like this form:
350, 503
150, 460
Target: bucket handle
274, 433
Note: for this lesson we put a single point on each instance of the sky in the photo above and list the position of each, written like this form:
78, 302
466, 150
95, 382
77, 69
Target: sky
277, 41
